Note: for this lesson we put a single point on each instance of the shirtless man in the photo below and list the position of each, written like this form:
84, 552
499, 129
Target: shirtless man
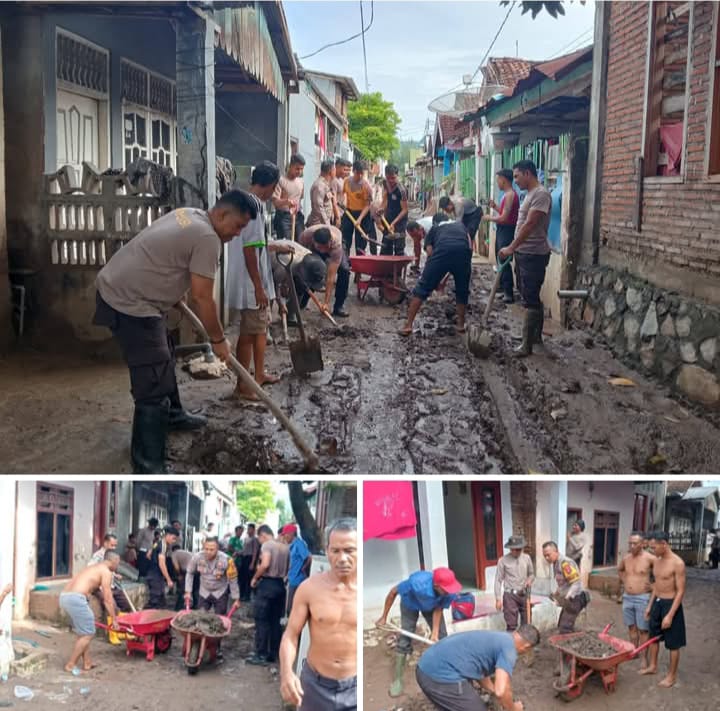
328, 681
634, 571
664, 611
74, 600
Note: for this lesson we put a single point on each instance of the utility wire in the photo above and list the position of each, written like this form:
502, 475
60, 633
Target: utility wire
589, 30
492, 44
362, 32
349, 39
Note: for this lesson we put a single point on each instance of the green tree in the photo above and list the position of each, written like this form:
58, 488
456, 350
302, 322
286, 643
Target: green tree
285, 515
534, 7
255, 499
373, 124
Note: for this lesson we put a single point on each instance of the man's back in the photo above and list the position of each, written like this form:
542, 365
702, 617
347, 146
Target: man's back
90, 579
448, 236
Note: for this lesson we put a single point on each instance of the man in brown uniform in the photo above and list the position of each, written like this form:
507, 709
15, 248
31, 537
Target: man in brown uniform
515, 573
569, 594
664, 611
634, 571
75, 601
321, 196
576, 541
269, 605
176, 254
328, 602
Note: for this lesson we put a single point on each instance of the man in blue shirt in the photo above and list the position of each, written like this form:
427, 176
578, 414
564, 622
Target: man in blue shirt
426, 592
300, 560
446, 671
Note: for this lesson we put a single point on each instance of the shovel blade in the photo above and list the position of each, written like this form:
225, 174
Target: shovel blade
306, 356
479, 341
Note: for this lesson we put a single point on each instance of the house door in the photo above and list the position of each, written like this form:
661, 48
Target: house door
78, 137
605, 538
487, 527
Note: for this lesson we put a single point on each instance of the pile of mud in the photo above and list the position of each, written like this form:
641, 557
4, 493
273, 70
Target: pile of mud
207, 623
589, 646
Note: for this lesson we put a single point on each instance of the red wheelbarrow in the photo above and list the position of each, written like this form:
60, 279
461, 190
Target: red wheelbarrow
581, 667
195, 644
385, 272
146, 631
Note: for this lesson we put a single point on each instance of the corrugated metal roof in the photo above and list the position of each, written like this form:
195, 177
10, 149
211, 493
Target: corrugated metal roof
700, 492
244, 36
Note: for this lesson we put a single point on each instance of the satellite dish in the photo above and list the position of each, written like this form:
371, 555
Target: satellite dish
470, 98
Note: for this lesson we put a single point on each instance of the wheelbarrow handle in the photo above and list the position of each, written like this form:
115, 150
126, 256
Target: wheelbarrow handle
644, 646
235, 607
607, 627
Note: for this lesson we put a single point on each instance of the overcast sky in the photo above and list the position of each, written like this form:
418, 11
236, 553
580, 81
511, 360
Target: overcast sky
417, 51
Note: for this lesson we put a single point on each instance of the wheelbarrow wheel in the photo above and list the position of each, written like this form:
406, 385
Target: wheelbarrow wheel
193, 658
163, 641
392, 294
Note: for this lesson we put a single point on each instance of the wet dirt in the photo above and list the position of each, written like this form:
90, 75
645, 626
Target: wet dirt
130, 683
384, 404
588, 646
697, 689
206, 623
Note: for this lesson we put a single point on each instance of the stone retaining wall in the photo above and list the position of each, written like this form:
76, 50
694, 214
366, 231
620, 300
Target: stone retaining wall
659, 332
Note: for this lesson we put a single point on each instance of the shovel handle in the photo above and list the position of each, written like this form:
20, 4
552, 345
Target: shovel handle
495, 287
235, 607
317, 303
361, 230
386, 223
309, 457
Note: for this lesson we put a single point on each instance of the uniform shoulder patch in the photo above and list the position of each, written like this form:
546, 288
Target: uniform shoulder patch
569, 571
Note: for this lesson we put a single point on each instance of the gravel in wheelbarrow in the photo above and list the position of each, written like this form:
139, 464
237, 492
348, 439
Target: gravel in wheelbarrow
199, 622
588, 646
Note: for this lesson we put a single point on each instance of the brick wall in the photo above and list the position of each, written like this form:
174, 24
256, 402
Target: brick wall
523, 504
679, 242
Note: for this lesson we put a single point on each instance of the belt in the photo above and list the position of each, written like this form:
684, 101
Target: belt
520, 591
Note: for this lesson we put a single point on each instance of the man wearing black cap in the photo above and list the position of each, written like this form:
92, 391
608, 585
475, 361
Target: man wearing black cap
515, 573
576, 541
426, 592
158, 574
308, 270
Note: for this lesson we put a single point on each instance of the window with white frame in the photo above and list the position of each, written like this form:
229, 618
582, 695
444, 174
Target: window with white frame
149, 125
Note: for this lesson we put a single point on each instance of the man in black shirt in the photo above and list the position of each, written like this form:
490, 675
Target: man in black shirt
395, 209
158, 574
449, 250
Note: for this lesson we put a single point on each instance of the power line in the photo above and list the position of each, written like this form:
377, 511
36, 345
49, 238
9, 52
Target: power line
589, 30
362, 32
492, 44
349, 39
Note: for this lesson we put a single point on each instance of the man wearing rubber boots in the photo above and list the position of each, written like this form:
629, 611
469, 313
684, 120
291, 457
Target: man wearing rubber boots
218, 580
446, 671
142, 281
328, 603
426, 592
158, 574
532, 251
513, 580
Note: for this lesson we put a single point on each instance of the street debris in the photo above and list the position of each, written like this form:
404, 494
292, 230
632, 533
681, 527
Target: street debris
588, 645
622, 383
206, 623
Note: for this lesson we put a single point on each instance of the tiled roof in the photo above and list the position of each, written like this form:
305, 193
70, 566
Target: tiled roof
452, 128
506, 71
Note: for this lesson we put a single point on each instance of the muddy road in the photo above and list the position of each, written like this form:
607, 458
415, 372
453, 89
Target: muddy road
698, 686
125, 683
383, 405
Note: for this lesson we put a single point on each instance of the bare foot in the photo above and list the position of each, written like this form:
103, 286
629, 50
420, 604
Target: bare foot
667, 682
246, 395
460, 329
268, 379
648, 670
88, 667
406, 331
72, 670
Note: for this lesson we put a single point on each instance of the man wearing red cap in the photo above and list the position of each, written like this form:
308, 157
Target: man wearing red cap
424, 592
300, 560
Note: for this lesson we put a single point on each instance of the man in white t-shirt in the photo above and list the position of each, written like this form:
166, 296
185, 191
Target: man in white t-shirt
249, 283
532, 251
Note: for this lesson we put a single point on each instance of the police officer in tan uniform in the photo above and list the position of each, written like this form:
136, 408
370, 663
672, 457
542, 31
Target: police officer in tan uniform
570, 593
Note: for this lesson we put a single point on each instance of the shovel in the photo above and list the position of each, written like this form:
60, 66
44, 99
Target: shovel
478, 337
361, 230
309, 457
305, 354
292, 226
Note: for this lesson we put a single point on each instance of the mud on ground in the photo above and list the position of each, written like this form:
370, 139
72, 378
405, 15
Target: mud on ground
698, 687
130, 683
384, 404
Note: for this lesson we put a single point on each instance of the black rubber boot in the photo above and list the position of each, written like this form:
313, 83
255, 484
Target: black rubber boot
525, 348
149, 432
181, 420
540, 323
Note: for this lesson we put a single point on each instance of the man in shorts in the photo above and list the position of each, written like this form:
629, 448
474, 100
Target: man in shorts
664, 611
75, 602
446, 671
249, 281
634, 571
